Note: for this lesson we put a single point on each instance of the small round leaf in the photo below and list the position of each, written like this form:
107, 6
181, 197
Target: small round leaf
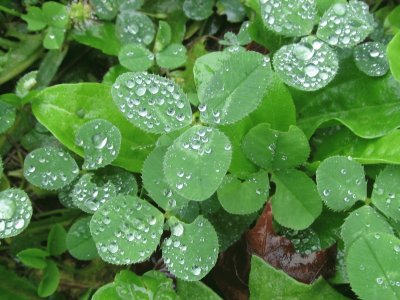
80, 243
105, 9
136, 57
370, 58
134, 27
198, 10
172, 57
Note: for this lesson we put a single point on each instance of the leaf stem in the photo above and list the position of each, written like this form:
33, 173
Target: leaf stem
10, 11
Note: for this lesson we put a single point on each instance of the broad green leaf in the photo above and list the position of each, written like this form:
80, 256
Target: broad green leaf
361, 222
15, 287
35, 18
370, 58
7, 116
192, 249
355, 100
136, 57
225, 99
33, 258
308, 65
56, 244
296, 203
244, 197
156, 185
134, 27
89, 195
106, 292
105, 9
163, 37
126, 230
198, 10
266, 282
233, 9
54, 38
324, 5
64, 108
373, 266
101, 143
151, 102
393, 19
50, 168
79, 241
173, 56
345, 25
393, 52
341, 182
289, 18
386, 193
195, 290
56, 14
50, 280
196, 163
15, 212
272, 149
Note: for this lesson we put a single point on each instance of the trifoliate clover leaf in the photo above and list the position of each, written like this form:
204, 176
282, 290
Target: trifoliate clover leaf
134, 27
7, 116
89, 196
361, 222
79, 241
289, 18
15, 212
151, 102
341, 182
373, 266
197, 161
156, 185
136, 57
370, 58
101, 142
386, 193
225, 100
56, 14
244, 197
192, 249
272, 149
172, 56
198, 10
346, 24
105, 9
50, 168
308, 65
126, 230
35, 18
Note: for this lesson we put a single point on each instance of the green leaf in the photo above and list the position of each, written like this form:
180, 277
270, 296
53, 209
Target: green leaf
244, 197
101, 143
134, 27
196, 290
156, 185
308, 65
163, 37
296, 203
393, 52
361, 222
197, 161
14, 287
355, 100
64, 108
124, 182
35, 18
233, 9
54, 38
56, 14
126, 230
33, 258
192, 249
386, 193
272, 149
344, 25
289, 18
7, 116
136, 57
56, 244
341, 182
105, 9
370, 58
197, 10
106, 292
79, 240
225, 100
266, 282
47, 70
173, 56
113, 73
15, 212
50, 280
151, 102
373, 266
50, 168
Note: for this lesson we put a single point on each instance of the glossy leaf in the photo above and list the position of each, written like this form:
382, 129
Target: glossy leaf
33, 258
393, 52
173, 56
198, 10
56, 14
196, 290
136, 57
163, 37
79, 241
105, 9
370, 58
35, 18
134, 27
54, 38
233, 9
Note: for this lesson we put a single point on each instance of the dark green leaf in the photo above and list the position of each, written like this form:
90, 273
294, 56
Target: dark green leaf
56, 244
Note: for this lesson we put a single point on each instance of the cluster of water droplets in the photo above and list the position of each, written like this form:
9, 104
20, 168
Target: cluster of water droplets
134, 27
304, 241
308, 65
15, 212
105, 9
151, 102
346, 24
290, 18
389, 197
370, 58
